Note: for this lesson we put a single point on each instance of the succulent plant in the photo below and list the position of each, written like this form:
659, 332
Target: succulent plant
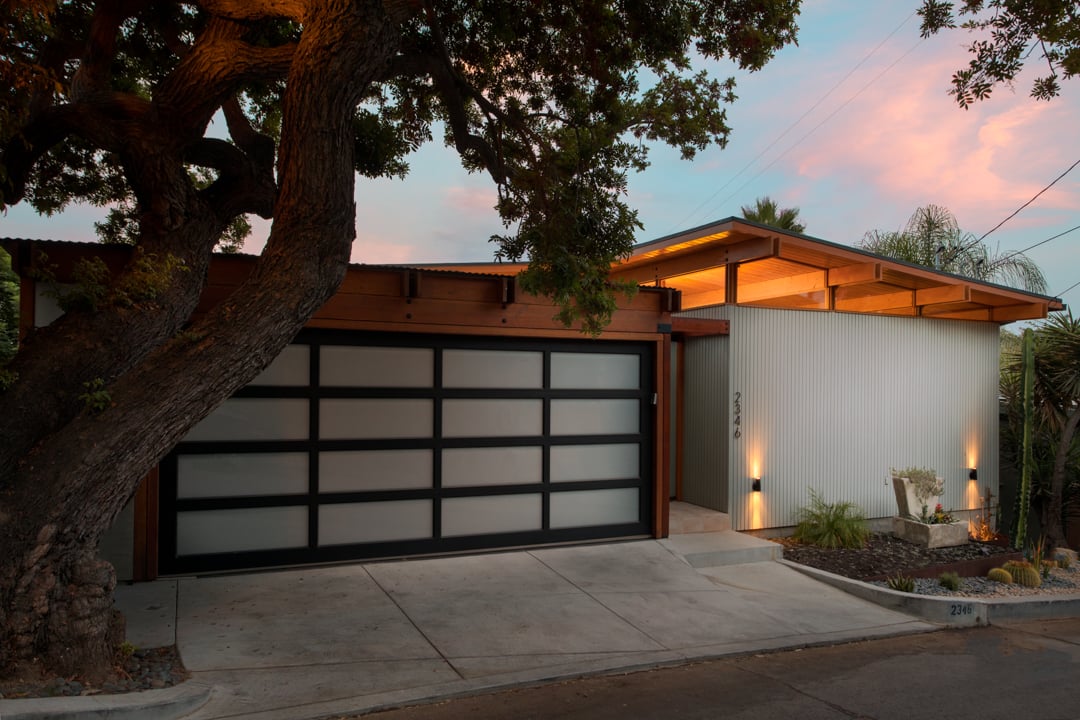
901, 583
1023, 573
1000, 575
949, 581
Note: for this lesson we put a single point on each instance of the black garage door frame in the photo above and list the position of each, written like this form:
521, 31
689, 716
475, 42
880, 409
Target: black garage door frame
171, 563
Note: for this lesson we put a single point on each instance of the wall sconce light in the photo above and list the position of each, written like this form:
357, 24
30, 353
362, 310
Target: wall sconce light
755, 484
973, 474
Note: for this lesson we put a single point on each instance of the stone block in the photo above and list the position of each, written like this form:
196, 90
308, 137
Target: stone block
931, 536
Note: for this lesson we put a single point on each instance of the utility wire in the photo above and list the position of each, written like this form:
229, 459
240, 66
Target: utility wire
976, 242
1062, 293
791, 127
826, 119
1041, 242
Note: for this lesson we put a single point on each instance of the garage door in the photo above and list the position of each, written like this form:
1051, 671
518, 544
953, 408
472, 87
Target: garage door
354, 446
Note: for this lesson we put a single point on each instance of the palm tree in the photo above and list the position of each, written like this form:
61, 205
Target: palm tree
933, 238
766, 212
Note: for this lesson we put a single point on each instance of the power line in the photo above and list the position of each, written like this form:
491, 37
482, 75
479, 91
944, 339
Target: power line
792, 126
1062, 293
1041, 242
1027, 203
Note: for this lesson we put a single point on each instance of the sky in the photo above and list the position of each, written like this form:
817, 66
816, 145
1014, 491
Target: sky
853, 126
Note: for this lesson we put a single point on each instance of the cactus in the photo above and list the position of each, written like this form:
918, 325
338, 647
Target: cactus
1023, 496
1023, 573
1000, 575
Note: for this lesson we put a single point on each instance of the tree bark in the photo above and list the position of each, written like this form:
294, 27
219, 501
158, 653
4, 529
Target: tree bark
55, 598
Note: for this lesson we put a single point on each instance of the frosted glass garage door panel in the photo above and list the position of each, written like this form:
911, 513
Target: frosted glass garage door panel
255, 419
241, 474
345, 419
291, 367
492, 418
464, 467
350, 523
238, 530
595, 417
594, 462
355, 366
595, 371
357, 471
485, 515
584, 508
493, 369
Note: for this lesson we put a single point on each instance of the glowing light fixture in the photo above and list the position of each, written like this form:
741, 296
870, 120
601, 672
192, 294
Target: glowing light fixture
973, 474
755, 484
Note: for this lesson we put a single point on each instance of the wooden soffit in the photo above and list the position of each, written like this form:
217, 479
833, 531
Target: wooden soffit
738, 262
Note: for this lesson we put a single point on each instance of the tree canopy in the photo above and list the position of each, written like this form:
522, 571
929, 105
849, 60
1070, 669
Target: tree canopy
766, 211
110, 103
933, 238
1009, 33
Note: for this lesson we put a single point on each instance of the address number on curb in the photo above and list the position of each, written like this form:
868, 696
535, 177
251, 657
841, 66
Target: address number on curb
959, 609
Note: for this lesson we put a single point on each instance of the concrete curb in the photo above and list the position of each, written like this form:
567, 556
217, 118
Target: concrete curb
165, 704
953, 612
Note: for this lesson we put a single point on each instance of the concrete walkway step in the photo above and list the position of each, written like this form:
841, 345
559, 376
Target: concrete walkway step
717, 549
684, 518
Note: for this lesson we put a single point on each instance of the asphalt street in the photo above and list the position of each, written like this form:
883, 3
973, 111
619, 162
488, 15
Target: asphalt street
1016, 671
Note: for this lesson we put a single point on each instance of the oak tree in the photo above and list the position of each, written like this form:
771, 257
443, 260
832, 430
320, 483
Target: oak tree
110, 102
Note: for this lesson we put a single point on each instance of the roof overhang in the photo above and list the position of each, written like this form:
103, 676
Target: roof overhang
742, 263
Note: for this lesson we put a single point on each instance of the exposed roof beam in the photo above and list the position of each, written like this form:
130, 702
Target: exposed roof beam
699, 327
783, 287
877, 303
1028, 311
855, 274
670, 266
943, 294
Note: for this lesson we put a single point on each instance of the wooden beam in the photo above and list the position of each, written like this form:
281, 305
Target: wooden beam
877, 303
1029, 311
855, 274
731, 284
943, 294
699, 327
685, 263
783, 287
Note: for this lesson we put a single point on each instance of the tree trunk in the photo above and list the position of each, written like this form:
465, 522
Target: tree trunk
55, 598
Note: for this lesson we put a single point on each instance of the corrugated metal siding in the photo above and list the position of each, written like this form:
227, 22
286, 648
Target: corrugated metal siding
831, 401
706, 434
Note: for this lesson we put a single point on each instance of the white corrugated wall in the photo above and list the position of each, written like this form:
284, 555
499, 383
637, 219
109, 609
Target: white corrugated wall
706, 428
831, 401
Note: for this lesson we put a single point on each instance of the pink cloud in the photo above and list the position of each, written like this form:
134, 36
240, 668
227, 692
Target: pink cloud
477, 200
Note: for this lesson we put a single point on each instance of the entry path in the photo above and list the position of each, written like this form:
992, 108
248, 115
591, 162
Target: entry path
1016, 670
347, 639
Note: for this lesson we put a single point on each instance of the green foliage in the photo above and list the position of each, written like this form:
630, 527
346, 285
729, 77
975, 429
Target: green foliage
96, 399
9, 310
557, 102
1036, 554
1010, 32
1064, 560
932, 238
901, 582
840, 524
1000, 575
766, 212
949, 580
1023, 573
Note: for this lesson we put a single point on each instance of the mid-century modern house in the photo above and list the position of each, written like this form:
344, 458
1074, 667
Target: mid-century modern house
441, 409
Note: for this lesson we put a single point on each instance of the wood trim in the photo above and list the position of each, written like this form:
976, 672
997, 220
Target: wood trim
145, 550
664, 266
731, 284
1019, 312
699, 327
877, 303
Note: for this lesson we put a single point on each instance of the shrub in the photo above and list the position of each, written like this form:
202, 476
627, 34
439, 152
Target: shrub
949, 581
840, 524
1064, 560
901, 582
1000, 575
